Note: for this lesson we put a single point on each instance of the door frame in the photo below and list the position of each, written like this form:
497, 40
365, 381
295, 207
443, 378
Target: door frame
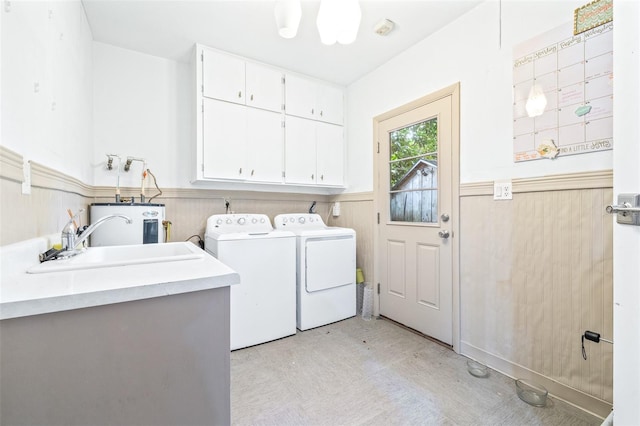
454, 92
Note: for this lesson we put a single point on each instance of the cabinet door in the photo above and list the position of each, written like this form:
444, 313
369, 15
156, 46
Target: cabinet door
330, 104
223, 77
224, 135
300, 97
330, 154
300, 150
264, 87
264, 146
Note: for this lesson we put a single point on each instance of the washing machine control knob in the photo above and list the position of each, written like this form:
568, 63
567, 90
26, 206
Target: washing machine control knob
241, 221
228, 221
301, 219
254, 220
262, 220
219, 221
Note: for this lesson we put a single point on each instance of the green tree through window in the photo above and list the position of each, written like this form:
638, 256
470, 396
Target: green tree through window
413, 143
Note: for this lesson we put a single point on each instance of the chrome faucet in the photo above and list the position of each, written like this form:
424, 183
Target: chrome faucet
70, 239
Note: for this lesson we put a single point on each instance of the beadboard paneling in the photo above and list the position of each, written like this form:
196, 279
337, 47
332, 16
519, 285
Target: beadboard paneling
44, 212
358, 213
536, 272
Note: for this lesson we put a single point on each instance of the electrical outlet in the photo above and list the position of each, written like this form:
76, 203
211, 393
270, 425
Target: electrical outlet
336, 209
502, 190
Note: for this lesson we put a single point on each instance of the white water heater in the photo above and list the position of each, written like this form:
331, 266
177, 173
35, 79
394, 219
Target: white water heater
146, 226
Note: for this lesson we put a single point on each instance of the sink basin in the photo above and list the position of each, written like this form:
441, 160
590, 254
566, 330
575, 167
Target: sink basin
104, 257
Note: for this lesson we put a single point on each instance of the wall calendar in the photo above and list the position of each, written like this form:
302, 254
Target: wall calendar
563, 93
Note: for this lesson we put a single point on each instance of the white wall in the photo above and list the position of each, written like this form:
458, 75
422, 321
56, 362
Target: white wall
46, 84
626, 269
469, 51
141, 109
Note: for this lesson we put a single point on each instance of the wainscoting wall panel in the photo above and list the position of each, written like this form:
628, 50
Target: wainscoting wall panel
356, 211
536, 272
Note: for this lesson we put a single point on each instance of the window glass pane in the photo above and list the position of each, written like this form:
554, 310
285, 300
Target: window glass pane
415, 206
413, 173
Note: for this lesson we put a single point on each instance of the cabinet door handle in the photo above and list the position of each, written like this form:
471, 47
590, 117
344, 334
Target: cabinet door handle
320, 113
252, 172
240, 94
321, 177
312, 111
240, 171
312, 177
251, 97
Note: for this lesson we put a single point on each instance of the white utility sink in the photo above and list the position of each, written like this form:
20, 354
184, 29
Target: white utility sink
104, 257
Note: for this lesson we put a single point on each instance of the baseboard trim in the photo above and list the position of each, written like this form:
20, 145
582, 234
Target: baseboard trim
579, 399
560, 182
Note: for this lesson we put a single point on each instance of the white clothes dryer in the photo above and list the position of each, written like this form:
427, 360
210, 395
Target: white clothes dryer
263, 305
325, 269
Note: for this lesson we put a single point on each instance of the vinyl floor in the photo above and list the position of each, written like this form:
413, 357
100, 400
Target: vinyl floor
358, 372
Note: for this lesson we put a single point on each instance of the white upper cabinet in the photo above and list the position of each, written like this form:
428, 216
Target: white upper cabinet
241, 143
329, 154
223, 77
264, 87
265, 139
314, 152
300, 151
307, 98
232, 79
224, 138
254, 125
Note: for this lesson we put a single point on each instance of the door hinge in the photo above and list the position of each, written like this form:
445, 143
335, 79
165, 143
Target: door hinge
378, 147
283, 174
378, 218
201, 56
202, 167
283, 125
202, 107
283, 80
202, 88
283, 107
378, 288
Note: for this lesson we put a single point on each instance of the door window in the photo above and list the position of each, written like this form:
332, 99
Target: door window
413, 173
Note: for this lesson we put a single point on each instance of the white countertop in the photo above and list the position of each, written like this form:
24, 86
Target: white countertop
23, 294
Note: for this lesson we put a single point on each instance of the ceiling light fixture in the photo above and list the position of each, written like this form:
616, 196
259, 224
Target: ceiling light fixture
288, 14
338, 21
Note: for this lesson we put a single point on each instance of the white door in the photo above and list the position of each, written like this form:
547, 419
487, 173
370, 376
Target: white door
415, 198
626, 238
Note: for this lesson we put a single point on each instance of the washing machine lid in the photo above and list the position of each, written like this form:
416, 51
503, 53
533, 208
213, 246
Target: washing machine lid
228, 236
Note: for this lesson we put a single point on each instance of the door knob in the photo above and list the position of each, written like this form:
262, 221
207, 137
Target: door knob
443, 234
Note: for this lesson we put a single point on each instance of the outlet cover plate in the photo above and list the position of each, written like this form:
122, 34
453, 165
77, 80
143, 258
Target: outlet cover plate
502, 190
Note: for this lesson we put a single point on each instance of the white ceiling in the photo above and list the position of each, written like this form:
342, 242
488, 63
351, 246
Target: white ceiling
169, 29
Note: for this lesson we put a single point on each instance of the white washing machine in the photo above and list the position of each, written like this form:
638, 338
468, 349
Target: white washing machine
263, 305
325, 269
